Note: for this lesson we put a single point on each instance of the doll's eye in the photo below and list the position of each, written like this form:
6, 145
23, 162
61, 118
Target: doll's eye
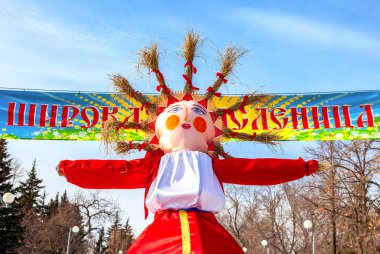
174, 110
198, 111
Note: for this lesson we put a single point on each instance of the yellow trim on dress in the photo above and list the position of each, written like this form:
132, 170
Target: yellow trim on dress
185, 229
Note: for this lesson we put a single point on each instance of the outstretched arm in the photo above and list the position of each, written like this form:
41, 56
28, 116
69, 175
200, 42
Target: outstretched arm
262, 171
108, 174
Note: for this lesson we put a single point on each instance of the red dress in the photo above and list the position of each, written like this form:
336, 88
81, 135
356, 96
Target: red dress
183, 231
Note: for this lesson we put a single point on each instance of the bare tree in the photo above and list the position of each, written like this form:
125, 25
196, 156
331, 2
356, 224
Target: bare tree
275, 214
17, 171
348, 193
119, 237
50, 235
342, 201
48, 232
236, 212
96, 210
282, 215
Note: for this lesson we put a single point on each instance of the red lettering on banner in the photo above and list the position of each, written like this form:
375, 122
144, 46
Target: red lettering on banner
347, 116
49, 116
95, 117
315, 117
264, 120
325, 117
66, 120
274, 118
43, 114
32, 114
370, 118
107, 113
21, 114
303, 114
11, 113
240, 124
336, 116
135, 114
224, 120
53, 115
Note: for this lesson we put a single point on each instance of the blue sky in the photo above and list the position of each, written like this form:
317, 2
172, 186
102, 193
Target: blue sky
294, 46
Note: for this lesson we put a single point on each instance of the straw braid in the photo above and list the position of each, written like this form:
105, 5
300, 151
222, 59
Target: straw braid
191, 47
246, 101
111, 128
220, 150
127, 147
144, 126
266, 137
229, 60
149, 58
122, 86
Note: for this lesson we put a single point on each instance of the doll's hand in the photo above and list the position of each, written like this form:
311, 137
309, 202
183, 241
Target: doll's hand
323, 165
59, 170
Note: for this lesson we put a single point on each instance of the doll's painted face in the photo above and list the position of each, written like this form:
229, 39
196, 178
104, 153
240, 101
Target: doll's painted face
185, 125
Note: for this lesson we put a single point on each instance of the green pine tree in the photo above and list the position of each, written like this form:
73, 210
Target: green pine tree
113, 241
50, 208
99, 248
128, 227
30, 190
116, 224
129, 234
64, 198
42, 207
11, 229
56, 201
5, 167
53, 205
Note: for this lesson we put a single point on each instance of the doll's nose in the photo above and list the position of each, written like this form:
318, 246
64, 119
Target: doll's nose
186, 114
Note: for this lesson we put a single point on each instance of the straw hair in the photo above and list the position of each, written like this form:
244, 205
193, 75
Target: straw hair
324, 165
191, 46
110, 134
265, 137
111, 131
149, 58
123, 147
122, 86
220, 150
229, 59
250, 100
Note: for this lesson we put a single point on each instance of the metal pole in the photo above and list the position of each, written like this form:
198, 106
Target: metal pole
312, 234
267, 250
68, 242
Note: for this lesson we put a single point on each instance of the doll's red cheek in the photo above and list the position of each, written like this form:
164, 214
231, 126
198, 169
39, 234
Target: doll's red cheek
172, 122
200, 124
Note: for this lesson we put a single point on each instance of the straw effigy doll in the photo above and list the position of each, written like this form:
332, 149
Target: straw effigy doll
182, 174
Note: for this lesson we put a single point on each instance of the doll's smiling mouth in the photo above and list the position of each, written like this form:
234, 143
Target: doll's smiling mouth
186, 126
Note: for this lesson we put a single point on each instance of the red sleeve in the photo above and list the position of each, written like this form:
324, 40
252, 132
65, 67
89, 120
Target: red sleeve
262, 171
106, 174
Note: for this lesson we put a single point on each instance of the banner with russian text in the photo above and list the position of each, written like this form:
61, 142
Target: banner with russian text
79, 115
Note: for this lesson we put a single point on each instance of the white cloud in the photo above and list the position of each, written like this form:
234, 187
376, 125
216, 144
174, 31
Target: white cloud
31, 19
46, 51
309, 30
